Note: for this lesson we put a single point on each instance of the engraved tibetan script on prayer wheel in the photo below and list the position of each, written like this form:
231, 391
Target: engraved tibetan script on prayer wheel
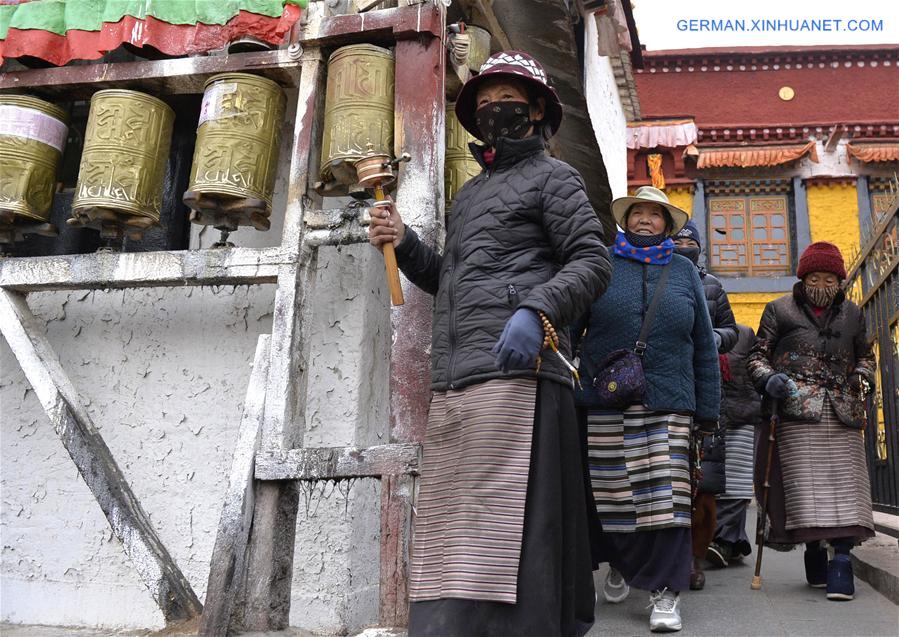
460, 165
32, 137
236, 156
358, 110
126, 148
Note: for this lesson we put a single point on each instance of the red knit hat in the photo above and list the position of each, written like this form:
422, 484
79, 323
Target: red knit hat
821, 256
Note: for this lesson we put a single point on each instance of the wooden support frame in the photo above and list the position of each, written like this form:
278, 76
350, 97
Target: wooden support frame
162, 77
263, 600
130, 524
229, 555
339, 463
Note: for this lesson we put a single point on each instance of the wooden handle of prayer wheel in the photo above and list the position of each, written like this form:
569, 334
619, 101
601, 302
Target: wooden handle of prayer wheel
393, 271
393, 275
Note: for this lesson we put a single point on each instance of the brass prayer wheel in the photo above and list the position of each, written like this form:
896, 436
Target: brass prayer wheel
236, 156
459, 164
32, 138
358, 110
126, 148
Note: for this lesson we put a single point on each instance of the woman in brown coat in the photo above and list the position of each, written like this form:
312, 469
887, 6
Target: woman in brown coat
814, 362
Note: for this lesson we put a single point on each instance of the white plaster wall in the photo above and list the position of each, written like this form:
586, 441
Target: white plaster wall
164, 374
606, 113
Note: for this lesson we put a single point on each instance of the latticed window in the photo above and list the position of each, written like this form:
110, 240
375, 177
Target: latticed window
749, 234
882, 198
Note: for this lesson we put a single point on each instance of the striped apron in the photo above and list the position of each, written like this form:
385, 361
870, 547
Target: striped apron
825, 473
469, 516
640, 469
739, 463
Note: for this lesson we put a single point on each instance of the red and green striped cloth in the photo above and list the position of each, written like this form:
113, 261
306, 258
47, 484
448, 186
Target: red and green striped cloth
59, 31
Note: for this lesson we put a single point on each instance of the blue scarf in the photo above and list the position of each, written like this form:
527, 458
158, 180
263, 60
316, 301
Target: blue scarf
658, 254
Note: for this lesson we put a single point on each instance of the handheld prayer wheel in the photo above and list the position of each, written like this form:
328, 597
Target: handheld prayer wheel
460, 165
235, 162
358, 111
126, 148
375, 171
32, 138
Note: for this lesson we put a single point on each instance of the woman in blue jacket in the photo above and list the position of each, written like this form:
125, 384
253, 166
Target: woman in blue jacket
639, 456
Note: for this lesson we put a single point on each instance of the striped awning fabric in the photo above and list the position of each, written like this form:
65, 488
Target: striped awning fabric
873, 152
59, 31
749, 156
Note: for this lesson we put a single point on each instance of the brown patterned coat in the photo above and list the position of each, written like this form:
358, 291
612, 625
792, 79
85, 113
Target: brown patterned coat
819, 353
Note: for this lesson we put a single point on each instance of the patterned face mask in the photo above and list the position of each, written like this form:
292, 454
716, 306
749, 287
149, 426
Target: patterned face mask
821, 297
503, 119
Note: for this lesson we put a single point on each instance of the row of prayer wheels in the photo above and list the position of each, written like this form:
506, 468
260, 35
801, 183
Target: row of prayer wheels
126, 150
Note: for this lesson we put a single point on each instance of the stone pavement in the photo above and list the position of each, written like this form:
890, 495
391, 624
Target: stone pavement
726, 608
785, 606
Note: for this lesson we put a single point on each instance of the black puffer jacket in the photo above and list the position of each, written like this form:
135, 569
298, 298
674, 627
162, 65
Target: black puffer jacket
819, 353
743, 403
723, 321
521, 234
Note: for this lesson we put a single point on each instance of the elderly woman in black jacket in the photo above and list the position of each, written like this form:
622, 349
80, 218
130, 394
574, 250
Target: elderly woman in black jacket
500, 541
814, 361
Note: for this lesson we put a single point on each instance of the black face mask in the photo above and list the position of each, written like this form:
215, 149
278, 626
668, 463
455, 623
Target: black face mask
503, 119
690, 253
644, 240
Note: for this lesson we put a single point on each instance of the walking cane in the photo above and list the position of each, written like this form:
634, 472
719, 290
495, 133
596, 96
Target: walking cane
760, 531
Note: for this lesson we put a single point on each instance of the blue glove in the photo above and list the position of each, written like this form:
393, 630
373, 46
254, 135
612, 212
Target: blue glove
717, 340
520, 342
779, 386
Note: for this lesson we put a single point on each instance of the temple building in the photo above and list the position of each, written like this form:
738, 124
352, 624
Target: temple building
772, 148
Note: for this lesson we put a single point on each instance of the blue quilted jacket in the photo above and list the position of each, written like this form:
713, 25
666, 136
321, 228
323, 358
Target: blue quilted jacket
681, 360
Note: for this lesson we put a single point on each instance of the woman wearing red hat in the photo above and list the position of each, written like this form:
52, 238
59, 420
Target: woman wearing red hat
814, 363
500, 532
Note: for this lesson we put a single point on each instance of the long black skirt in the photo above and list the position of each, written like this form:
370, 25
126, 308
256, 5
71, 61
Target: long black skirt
555, 595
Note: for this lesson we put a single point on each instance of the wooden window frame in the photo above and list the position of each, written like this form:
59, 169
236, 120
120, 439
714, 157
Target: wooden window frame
750, 207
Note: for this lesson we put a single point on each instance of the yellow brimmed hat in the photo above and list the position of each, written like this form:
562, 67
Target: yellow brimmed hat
651, 195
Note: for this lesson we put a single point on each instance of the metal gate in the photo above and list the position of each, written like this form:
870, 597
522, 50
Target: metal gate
873, 284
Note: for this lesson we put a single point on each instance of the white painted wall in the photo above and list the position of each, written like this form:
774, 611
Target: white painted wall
163, 373
606, 113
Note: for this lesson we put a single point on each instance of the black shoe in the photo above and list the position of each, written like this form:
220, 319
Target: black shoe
697, 577
816, 567
840, 583
719, 554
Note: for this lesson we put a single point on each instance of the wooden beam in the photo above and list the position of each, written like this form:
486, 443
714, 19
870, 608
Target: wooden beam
420, 131
105, 270
154, 566
397, 493
162, 77
229, 554
485, 9
339, 463
384, 24
264, 602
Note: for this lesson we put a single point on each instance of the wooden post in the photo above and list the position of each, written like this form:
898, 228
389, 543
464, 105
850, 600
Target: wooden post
59, 398
264, 603
420, 131
229, 554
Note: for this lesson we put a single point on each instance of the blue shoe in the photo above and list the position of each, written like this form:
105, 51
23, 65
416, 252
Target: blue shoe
816, 567
840, 583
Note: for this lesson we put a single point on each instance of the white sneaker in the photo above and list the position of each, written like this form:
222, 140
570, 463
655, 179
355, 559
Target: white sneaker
615, 589
665, 616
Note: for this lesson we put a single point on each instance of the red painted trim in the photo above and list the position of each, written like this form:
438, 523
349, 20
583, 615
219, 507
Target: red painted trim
680, 60
170, 39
